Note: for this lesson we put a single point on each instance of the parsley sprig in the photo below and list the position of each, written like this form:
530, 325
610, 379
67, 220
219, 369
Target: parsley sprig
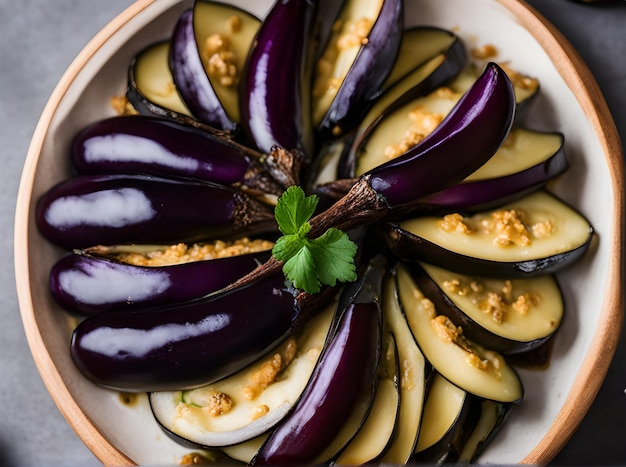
310, 263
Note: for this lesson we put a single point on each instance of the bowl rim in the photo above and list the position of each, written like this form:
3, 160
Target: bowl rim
578, 78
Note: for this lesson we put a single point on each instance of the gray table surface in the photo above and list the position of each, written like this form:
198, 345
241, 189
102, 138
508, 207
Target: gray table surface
39, 39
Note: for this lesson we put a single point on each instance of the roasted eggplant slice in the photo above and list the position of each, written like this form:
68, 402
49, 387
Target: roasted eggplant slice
538, 234
506, 315
492, 415
355, 63
374, 437
275, 85
208, 51
250, 402
450, 415
151, 89
414, 374
466, 364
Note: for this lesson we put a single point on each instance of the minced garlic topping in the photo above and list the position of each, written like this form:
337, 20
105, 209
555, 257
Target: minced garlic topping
451, 334
221, 61
260, 411
485, 52
422, 124
508, 227
218, 404
122, 106
354, 33
519, 80
183, 253
270, 369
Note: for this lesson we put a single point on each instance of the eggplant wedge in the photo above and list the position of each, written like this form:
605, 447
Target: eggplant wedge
151, 89
374, 437
250, 402
355, 63
208, 51
450, 415
466, 364
537, 234
492, 415
88, 284
414, 375
343, 383
507, 315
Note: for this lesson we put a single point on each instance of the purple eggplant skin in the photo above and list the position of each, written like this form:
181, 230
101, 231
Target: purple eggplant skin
368, 73
480, 195
149, 145
86, 284
89, 210
186, 345
275, 84
345, 374
470, 134
191, 79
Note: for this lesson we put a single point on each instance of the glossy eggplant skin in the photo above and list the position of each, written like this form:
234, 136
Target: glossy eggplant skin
111, 209
466, 139
346, 370
369, 71
149, 145
188, 345
88, 284
275, 84
190, 77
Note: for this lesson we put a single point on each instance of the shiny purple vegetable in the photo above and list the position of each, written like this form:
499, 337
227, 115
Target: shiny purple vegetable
111, 209
88, 284
275, 88
185, 345
344, 379
370, 69
155, 146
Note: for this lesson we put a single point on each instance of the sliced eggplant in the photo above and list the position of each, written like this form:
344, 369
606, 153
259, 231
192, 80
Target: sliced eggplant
208, 51
450, 415
466, 364
414, 374
151, 89
275, 85
375, 435
344, 381
538, 234
357, 59
88, 284
506, 315
250, 402
245, 452
492, 415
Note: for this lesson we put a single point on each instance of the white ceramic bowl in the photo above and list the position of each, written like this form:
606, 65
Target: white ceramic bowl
556, 399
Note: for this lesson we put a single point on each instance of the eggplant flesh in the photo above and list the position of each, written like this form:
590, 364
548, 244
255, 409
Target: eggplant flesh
466, 364
355, 63
88, 284
537, 234
250, 402
151, 88
507, 315
492, 415
450, 415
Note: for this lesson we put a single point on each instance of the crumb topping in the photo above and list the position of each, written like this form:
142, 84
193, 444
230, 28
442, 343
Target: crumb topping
220, 60
269, 370
122, 106
422, 123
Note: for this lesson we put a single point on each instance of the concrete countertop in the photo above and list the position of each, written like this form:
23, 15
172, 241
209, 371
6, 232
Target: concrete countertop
39, 39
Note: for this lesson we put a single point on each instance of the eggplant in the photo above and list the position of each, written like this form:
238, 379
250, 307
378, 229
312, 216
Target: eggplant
190, 344
492, 416
465, 363
247, 404
88, 284
111, 209
450, 416
275, 84
538, 234
355, 63
151, 89
376, 433
527, 161
209, 84
509, 316
414, 377
344, 381
156, 146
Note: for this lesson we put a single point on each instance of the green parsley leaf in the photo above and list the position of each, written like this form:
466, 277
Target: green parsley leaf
310, 263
